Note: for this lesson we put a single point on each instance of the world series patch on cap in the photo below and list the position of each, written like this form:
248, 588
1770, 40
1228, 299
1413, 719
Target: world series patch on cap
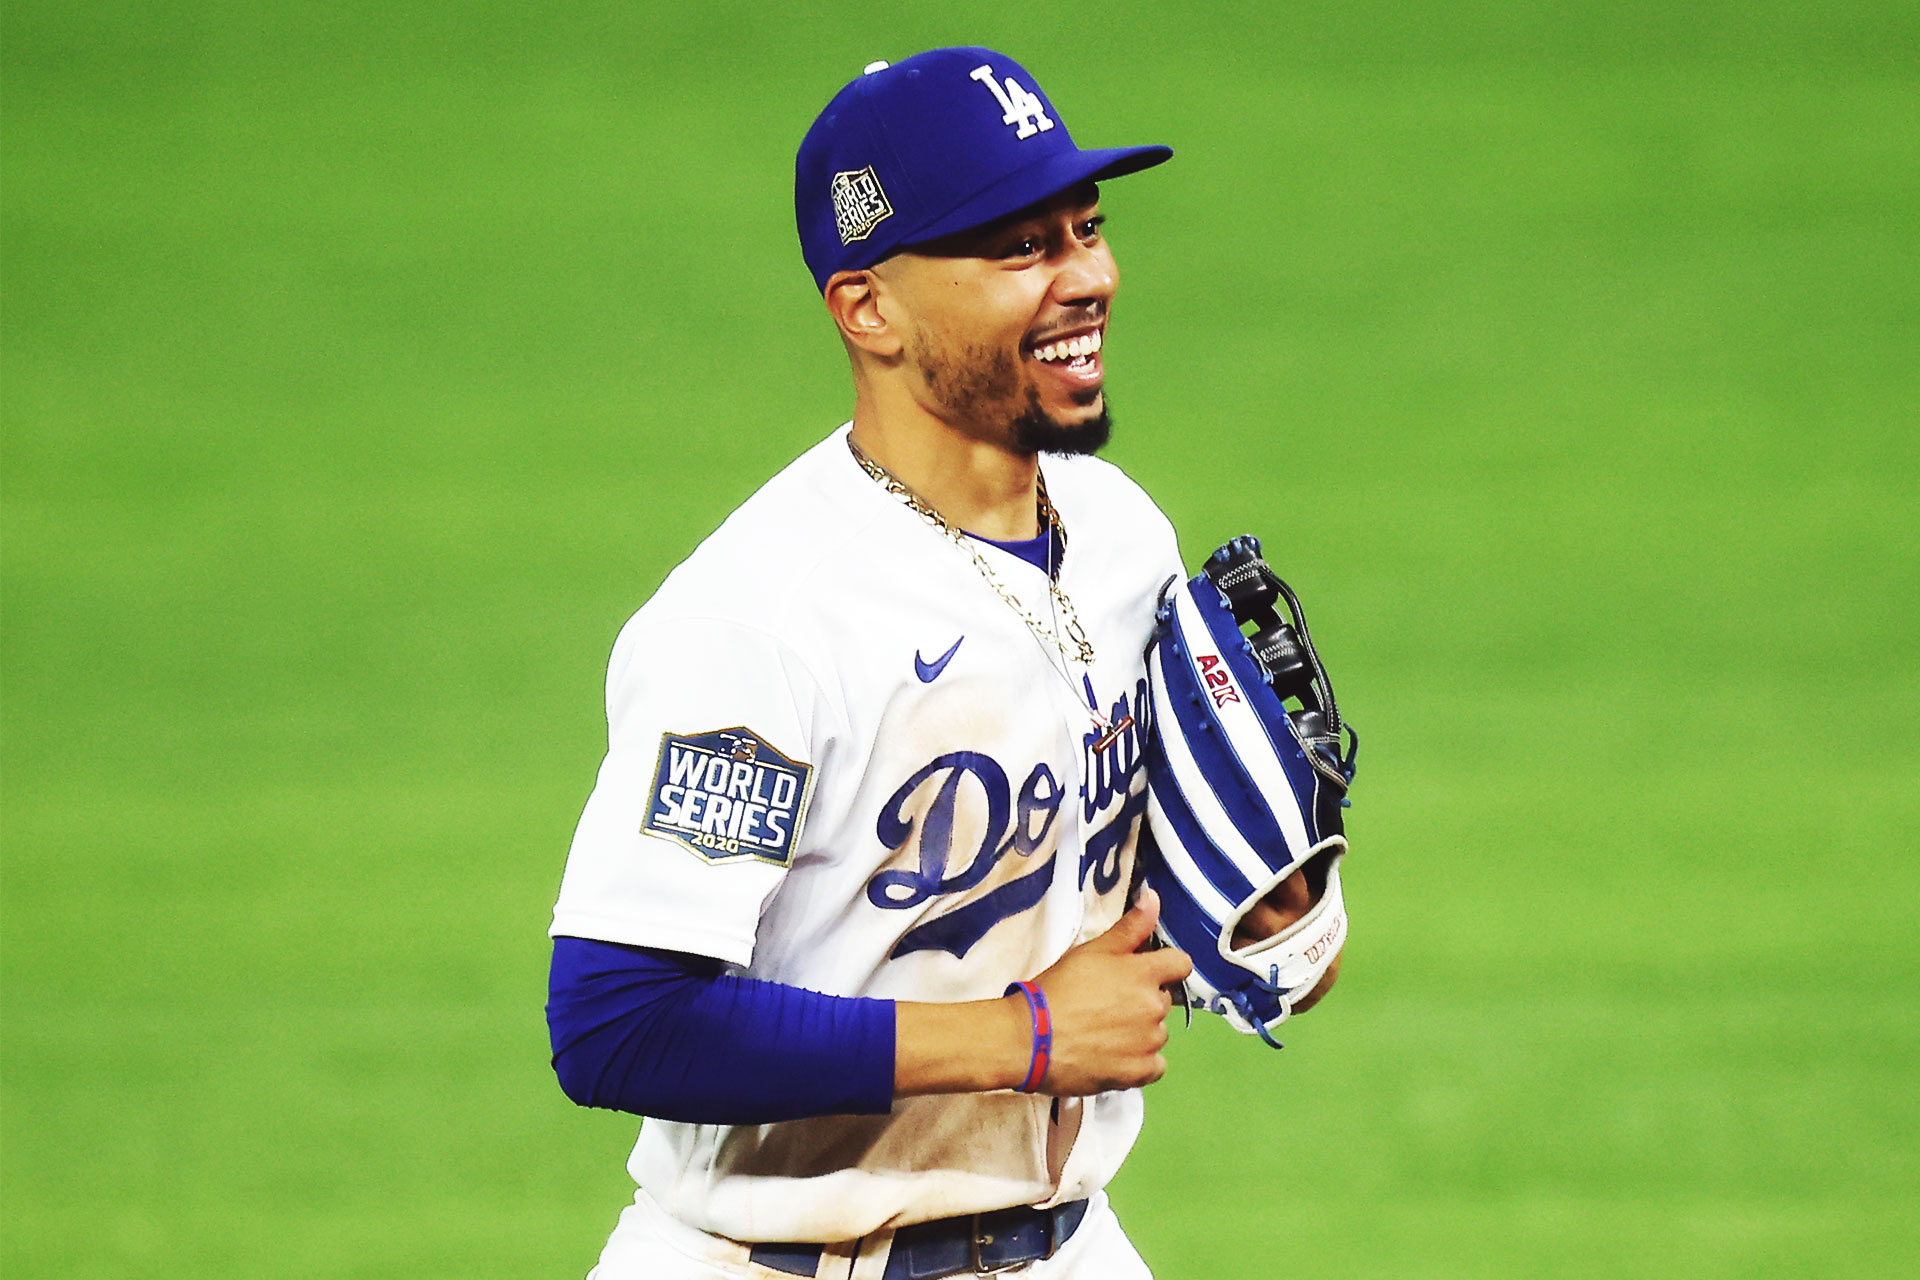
939, 143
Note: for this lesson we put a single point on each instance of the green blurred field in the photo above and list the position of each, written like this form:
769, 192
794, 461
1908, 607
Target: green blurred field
366, 365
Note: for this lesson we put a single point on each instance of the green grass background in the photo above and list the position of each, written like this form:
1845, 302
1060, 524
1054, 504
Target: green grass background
366, 364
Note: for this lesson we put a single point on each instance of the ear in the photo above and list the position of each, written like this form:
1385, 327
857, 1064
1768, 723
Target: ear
859, 304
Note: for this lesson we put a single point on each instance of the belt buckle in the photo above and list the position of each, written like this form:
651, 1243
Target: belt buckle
981, 1239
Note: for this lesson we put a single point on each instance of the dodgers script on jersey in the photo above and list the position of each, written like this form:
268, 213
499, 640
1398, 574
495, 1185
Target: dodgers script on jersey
858, 771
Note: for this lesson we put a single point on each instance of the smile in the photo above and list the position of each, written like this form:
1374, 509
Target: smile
1070, 350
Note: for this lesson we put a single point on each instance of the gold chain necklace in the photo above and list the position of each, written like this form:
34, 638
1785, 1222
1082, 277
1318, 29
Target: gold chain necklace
1071, 639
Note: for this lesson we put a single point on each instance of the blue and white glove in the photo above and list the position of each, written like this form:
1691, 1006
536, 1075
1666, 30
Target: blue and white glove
1246, 780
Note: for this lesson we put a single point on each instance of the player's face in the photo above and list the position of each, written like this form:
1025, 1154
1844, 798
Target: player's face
1007, 323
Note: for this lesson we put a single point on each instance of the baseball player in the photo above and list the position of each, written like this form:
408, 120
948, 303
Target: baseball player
847, 915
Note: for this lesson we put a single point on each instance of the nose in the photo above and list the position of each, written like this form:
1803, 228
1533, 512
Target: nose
1088, 275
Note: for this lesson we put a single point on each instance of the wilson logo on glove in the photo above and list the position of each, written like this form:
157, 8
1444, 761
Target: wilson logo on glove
1246, 780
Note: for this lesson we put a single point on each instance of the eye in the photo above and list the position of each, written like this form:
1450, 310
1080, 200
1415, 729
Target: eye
1022, 247
1089, 229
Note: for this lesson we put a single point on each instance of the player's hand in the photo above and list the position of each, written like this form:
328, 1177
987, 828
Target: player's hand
1291, 899
1109, 1002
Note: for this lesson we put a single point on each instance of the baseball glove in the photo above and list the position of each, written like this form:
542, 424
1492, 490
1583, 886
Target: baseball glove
1243, 789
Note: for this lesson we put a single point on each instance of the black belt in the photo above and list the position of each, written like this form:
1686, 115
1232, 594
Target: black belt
978, 1244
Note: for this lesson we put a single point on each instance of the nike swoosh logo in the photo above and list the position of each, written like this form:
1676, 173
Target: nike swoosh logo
930, 671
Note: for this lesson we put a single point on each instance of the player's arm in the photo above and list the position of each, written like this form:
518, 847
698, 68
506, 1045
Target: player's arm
677, 1037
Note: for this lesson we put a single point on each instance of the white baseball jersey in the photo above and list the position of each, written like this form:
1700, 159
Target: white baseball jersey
839, 760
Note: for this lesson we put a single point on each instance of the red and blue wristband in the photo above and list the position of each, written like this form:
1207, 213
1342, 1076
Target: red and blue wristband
1042, 1033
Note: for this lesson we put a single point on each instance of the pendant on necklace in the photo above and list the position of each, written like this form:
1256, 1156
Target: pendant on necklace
1112, 731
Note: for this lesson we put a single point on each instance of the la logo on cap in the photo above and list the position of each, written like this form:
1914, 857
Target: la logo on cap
1022, 107
859, 204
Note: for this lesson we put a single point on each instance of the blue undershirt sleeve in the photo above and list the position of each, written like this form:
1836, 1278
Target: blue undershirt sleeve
676, 1037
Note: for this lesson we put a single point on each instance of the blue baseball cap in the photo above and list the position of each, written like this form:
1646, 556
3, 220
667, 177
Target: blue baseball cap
943, 142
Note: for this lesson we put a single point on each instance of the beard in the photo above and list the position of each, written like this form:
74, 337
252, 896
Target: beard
980, 392
1037, 431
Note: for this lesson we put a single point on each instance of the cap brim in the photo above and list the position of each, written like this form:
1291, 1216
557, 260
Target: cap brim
1039, 181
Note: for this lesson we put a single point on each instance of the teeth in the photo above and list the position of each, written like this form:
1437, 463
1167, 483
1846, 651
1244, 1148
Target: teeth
1069, 348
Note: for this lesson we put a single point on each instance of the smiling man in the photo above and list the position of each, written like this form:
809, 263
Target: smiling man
847, 915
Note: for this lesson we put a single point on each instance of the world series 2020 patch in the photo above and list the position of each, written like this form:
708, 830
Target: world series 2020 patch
859, 204
727, 794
